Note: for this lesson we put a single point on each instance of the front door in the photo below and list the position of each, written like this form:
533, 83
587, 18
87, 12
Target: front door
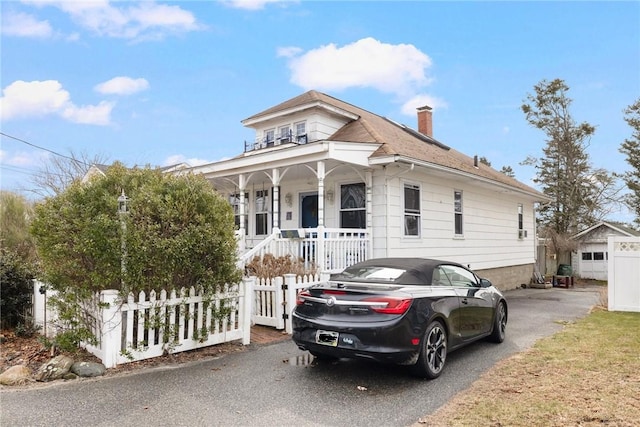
309, 210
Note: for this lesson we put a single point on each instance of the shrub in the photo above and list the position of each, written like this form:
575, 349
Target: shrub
16, 288
178, 232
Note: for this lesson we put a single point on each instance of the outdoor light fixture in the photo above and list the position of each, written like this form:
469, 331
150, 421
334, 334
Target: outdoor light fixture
123, 200
329, 195
288, 199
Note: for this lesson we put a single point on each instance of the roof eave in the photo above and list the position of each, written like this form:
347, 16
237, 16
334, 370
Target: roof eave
297, 109
385, 160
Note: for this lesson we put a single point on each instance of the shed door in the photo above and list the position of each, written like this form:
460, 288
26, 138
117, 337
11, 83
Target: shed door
593, 261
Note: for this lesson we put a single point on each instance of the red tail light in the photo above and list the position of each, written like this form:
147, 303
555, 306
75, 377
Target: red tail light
332, 292
299, 299
394, 305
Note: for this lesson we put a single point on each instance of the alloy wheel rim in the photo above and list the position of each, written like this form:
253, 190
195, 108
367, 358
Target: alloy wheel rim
503, 319
436, 349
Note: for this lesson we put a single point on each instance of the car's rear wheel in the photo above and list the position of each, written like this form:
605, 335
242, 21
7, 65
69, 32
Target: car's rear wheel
499, 324
433, 352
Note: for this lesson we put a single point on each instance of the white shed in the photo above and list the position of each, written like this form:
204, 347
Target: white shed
591, 259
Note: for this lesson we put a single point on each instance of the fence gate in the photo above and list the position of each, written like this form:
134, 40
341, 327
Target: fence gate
624, 273
268, 302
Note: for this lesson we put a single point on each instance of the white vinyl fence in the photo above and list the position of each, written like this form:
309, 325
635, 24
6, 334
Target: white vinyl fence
624, 273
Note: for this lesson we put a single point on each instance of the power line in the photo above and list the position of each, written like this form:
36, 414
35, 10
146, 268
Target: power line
42, 148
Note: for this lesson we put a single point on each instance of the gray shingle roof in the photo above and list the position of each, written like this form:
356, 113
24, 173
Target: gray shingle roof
395, 139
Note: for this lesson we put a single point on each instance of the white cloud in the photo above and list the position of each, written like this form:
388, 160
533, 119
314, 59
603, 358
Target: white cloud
141, 21
397, 69
409, 107
179, 158
21, 158
24, 25
90, 114
122, 86
252, 4
41, 98
288, 51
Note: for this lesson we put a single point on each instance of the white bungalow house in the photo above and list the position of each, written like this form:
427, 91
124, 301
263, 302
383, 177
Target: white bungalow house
334, 183
591, 259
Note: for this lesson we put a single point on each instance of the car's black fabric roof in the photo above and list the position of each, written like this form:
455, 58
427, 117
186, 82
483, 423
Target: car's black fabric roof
419, 271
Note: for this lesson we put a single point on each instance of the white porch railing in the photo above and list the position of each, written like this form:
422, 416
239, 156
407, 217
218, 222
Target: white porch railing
326, 249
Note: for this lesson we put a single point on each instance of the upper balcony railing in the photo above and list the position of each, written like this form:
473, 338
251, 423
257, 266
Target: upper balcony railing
265, 142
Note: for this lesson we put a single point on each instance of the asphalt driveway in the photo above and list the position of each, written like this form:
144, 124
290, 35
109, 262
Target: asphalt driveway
276, 385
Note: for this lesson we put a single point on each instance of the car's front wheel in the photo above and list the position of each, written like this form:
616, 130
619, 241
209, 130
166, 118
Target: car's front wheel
433, 352
499, 324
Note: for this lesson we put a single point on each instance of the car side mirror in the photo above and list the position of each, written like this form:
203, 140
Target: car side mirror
485, 283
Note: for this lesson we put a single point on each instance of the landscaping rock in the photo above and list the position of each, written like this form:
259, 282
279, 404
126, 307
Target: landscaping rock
54, 369
88, 369
15, 375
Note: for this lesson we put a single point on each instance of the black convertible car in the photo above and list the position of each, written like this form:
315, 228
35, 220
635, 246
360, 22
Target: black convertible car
407, 311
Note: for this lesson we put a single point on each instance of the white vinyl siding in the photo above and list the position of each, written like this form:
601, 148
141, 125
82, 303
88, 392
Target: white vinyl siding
489, 223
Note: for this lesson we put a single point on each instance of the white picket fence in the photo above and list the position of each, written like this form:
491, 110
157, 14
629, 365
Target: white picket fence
145, 326
275, 299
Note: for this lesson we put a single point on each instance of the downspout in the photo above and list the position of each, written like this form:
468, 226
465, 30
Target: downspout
386, 198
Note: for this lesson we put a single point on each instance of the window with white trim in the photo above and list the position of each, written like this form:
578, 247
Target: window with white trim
269, 136
284, 134
520, 221
411, 210
262, 212
457, 212
352, 206
301, 132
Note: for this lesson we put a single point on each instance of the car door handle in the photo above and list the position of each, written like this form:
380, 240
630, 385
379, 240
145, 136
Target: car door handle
465, 301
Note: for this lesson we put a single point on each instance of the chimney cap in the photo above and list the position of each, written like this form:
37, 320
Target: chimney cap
426, 107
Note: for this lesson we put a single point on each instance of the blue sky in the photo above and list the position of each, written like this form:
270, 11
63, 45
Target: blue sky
164, 82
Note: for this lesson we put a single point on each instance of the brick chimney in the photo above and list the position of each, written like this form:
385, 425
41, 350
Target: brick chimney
425, 121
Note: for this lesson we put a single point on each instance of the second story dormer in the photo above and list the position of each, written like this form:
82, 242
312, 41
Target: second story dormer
302, 120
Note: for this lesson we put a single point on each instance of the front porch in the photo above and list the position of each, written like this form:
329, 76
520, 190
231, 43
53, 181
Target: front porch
320, 249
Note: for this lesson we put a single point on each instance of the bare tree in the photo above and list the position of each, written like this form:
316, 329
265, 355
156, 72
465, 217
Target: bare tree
58, 172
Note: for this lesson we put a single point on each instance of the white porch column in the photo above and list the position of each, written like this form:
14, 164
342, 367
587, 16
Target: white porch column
369, 198
369, 213
275, 181
320, 173
320, 257
242, 184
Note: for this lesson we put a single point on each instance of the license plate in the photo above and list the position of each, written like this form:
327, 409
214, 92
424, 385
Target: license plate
329, 338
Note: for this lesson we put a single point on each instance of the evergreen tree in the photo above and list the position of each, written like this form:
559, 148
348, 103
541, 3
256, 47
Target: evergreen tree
508, 170
631, 148
563, 172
